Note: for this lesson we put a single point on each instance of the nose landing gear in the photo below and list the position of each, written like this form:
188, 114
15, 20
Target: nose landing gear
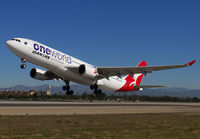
23, 66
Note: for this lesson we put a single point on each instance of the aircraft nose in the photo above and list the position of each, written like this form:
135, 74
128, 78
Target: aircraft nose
9, 43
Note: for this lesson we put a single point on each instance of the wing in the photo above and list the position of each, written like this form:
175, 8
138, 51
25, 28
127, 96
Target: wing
118, 71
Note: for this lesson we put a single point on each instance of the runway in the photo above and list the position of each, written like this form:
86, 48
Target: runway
46, 108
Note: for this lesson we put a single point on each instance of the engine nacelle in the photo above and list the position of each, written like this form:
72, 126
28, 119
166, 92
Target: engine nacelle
87, 71
39, 74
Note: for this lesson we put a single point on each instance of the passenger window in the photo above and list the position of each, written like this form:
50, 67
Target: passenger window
25, 43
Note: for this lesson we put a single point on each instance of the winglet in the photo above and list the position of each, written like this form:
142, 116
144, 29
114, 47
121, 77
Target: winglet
191, 63
142, 63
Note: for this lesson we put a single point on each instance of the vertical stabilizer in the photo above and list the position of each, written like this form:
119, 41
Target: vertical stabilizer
138, 77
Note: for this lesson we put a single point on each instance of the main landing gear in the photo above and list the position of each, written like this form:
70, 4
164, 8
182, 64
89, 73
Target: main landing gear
96, 90
23, 66
67, 89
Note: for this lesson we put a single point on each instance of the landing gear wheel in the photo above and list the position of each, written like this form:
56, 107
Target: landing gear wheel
23, 66
70, 93
97, 92
92, 87
66, 88
23, 60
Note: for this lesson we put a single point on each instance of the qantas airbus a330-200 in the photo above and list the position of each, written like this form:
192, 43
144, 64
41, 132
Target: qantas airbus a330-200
67, 68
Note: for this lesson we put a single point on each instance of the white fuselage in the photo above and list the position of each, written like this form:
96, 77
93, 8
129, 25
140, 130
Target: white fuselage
58, 63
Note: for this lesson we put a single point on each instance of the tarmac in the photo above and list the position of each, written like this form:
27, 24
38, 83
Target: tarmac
65, 108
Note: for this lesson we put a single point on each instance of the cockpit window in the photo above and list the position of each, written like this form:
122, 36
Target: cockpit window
16, 40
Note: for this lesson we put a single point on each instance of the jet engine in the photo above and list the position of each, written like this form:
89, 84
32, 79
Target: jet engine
39, 74
87, 71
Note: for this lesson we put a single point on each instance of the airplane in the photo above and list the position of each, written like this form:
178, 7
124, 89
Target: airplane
61, 66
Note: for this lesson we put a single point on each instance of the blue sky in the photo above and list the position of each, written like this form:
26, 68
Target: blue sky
106, 33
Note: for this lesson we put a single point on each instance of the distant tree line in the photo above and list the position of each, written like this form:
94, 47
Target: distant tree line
41, 95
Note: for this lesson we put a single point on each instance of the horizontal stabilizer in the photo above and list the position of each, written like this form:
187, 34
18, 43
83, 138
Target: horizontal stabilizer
149, 86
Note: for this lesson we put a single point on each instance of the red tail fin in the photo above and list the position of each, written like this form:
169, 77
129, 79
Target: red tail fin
132, 81
138, 77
